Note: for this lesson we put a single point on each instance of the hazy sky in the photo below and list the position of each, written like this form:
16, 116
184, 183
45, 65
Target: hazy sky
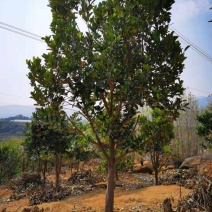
189, 17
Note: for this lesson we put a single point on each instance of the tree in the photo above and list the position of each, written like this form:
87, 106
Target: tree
48, 134
204, 128
126, 58
158, 129
186, 141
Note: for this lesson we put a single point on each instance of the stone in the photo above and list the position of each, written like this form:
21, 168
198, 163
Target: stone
163, 168
145, 169
170, 167
148, 163
137, 167
192, 162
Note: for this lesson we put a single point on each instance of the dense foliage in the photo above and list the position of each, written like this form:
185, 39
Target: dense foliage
204, 128
48, 134
126, 58
157, 132
10, 159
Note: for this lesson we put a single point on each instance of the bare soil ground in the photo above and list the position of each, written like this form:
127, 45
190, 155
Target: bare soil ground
136, 193
146, 198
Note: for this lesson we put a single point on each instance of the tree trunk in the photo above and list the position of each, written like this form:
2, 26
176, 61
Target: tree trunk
60, 163
155, 164
58, 166
117, 174
33, 166
156, 176
57, 173
78, 163
44, 171
109, 200
39, 170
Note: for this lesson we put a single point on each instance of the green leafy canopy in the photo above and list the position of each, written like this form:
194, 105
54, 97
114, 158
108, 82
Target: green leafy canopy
204, 128
126, 58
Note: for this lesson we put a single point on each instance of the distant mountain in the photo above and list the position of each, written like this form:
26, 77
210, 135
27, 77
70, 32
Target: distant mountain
16, 118
13, 110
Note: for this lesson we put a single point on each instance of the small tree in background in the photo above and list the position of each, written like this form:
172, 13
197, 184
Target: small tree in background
158, 130
126, 58
186, 141
48, 134
204, 128
34, 144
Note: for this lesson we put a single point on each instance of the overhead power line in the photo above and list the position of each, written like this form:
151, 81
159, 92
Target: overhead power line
191, 44
38, 38
186, 43
20, 31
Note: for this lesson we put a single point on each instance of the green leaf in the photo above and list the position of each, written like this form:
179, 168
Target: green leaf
187, 47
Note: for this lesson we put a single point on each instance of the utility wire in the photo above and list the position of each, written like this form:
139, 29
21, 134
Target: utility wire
186, 43
19, 29
181, 35
38, 38
21, 33
193, 46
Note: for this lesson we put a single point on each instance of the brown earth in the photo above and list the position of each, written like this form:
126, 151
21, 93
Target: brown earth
148, 198
145, 199
206, 168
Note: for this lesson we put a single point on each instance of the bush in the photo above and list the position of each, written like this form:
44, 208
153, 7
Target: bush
9, 161
43, 194
25, 180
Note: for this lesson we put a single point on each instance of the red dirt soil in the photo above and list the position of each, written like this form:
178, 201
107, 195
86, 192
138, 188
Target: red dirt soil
144, 199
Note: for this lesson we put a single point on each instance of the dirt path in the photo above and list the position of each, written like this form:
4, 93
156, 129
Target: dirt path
145, 199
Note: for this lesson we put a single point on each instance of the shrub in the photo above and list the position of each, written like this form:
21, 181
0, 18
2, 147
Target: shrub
9, 160
25, 180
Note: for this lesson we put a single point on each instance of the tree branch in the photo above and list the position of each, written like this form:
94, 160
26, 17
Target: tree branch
105, 103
